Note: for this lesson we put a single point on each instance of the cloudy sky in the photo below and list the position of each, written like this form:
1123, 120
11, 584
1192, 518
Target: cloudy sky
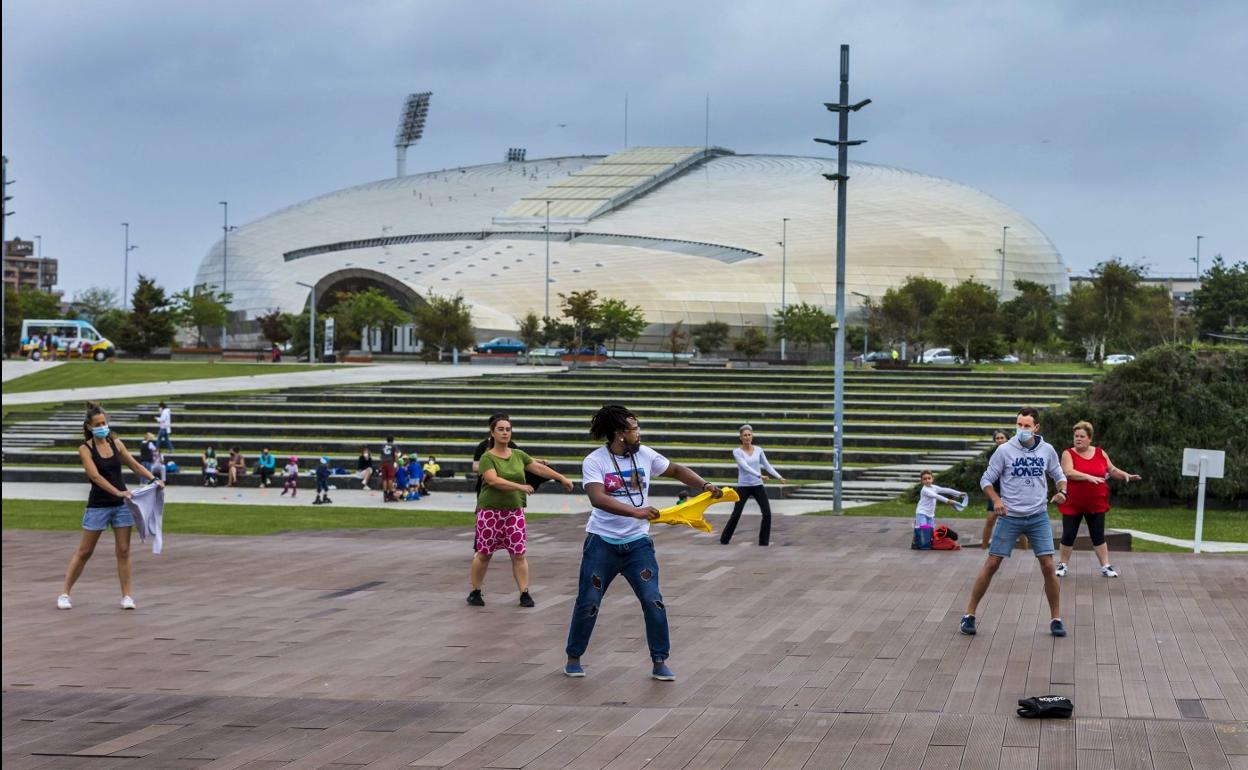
1120, 128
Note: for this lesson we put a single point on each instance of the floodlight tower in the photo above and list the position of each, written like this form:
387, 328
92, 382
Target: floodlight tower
411, 128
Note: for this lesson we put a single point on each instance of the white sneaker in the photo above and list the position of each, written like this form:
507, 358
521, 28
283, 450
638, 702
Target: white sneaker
1062, 569
1108, 571
63, 602
127, 603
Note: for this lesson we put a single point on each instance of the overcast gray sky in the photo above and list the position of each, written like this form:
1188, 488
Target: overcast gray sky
1119, 128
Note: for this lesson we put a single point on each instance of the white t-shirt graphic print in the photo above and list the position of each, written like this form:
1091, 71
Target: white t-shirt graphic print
621, 477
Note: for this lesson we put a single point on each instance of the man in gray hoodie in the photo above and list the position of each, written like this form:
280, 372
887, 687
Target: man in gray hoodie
1021, 465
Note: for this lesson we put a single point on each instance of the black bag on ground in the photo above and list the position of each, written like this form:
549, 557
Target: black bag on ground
1046, 707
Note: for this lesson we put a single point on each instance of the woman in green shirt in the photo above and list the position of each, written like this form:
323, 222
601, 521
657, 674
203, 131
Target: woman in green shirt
500, 508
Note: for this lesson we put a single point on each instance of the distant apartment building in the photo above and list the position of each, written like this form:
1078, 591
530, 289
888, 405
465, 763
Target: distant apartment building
1180, 288
24, 270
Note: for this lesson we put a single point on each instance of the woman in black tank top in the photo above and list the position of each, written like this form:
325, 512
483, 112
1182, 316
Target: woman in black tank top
102, 457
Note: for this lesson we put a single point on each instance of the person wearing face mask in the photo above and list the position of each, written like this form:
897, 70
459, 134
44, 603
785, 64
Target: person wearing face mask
1088, 468
1023, 465
102, 457
616, 477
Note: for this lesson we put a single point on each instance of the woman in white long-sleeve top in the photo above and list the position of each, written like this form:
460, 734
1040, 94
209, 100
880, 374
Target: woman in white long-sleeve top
752, 470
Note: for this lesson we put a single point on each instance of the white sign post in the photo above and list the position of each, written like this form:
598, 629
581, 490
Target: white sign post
1206, 464
329, 338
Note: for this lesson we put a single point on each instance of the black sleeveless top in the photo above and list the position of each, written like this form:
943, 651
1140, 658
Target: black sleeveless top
110, 469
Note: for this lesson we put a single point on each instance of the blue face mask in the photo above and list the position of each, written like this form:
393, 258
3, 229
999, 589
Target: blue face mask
99, 431
1024, 436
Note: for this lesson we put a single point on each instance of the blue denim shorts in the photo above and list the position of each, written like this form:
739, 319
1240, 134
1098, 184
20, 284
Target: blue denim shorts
100, 519
1036, 527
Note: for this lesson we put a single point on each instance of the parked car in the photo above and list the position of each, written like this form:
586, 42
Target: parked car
1118, 358
63, 338
940, 356
502, 345
588, 350
874, 355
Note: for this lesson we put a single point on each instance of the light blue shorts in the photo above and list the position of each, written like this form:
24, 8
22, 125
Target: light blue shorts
1036, 527
100, 519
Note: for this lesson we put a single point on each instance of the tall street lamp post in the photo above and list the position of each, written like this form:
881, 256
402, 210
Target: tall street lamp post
311, 322
1004, 229
1197, 260
547, 285
784, 272
225, 264
125, 268
39, 259
865, 333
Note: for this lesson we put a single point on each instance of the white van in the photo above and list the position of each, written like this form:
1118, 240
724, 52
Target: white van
62, 338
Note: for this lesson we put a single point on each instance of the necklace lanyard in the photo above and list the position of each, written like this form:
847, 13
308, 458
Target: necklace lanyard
636, 478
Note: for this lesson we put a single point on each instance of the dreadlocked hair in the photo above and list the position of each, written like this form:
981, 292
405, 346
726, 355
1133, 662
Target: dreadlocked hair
93, 409
608, 421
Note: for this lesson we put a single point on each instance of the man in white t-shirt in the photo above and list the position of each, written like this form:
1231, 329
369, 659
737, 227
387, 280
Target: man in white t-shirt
617, 479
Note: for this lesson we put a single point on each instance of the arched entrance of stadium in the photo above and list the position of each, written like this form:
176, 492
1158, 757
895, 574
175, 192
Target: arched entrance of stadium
354, 279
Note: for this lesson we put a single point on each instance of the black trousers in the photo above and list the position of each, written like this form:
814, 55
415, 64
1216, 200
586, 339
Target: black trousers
1096, 528
760, 494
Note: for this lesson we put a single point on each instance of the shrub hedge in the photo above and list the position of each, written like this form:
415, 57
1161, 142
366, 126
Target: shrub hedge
1144, 413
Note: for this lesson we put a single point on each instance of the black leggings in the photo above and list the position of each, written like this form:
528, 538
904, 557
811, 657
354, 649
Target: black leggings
1096, 528
758, 493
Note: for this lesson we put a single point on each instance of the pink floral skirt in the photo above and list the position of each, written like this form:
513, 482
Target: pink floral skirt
499, 530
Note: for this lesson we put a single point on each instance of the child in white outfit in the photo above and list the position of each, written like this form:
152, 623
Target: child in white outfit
925, 511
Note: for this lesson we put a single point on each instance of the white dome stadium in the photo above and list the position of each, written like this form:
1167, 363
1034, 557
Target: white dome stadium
688, 234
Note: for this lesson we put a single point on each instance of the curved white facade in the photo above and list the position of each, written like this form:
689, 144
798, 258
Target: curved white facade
703, 245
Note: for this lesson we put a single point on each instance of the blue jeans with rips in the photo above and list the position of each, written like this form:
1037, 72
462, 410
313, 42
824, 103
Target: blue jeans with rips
600, 563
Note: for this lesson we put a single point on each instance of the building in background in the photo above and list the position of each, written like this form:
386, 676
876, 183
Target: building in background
24, 271
690, 234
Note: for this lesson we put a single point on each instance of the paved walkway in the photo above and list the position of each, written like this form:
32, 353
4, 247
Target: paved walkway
21, 367
836, 647
347, 375
542, 502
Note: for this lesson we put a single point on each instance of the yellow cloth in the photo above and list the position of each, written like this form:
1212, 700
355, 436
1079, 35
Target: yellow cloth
691, 512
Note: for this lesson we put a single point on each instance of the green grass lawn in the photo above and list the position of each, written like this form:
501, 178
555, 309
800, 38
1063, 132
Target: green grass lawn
90, 374
1223, 525
214, 519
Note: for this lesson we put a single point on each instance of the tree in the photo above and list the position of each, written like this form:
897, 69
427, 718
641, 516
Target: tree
1031, 318
969, 317
711, 336
111, 322
275, 326
298, 326
1221, 303
908, 309
91, 303
1082, 326
356, 310
805, 325
444, 323
752, 341
19, 306
530, 332
583, 310
150, 323
617, 320
201, 307
677, 340
562, 334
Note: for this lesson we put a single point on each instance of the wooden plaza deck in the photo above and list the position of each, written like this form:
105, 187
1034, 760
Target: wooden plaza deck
835, 647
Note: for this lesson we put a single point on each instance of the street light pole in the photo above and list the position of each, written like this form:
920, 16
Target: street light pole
784, 272
865, 329
1198, 239
1004, 229
311, 322
39, 260
225, 264
125, 268
547, 259
4, 257
841, 177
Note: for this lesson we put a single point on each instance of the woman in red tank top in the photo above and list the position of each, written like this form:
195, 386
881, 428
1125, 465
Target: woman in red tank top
1087, 469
